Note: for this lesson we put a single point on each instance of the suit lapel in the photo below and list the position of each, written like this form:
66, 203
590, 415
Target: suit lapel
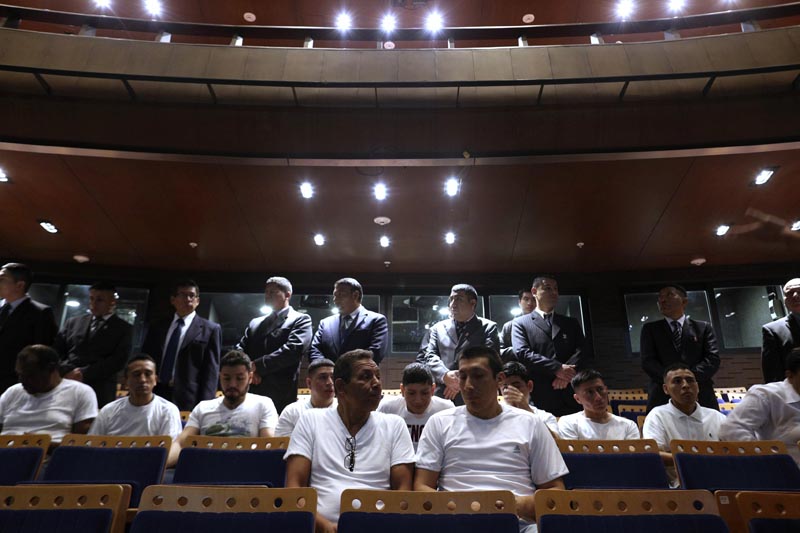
337, 332
274, 322
556, 328
84, 328
540, 323
194, 330
451, 331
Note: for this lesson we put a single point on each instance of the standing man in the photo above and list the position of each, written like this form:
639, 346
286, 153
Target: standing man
782, 335
675, 339
552, 347
526, 304
451, 336
95, 346
186, 349
23, 321
276, 343
353, 328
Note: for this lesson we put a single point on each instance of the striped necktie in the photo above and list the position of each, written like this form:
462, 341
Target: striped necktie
676, 335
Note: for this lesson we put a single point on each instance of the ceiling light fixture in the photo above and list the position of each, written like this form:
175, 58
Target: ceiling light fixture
528, 18
516, 311
103, 4
343, 21
319, 239
434, 22
676, 5
72, 303
3, 176
153, 7
266, 310
48, 226
796, 225
380, 191
80, 258
384, 241
451, 187
449, 237
249, 17
306, 189
764, 175
698, 261
388, 23
625, 9
722, 230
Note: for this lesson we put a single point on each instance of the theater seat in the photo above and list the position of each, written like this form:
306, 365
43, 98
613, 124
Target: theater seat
613, 464
770, 512
21, 457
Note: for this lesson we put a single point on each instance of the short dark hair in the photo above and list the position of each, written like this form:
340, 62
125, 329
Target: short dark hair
417, 373
184, 283
521, 292
469, 290
343, 369
43, 358
793, 361
490, 354
677, 287
284, 284
354, 285
103, 286
539, 280
20, 272
138, 357
585, 376
674, 366
515, 368
234, 357
319, 363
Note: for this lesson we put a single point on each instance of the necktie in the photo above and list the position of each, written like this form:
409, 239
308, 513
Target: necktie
168, 365
344, 326
548, 317
460, 327
676, 335
97, 322
4, 312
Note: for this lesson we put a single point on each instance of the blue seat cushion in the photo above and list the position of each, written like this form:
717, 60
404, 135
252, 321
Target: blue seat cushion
352, 522
615, 471
767, 472
56, 520
175, 521
552, 523
232, 467
19, 464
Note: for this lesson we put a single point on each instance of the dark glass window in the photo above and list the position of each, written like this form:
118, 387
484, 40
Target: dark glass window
743, 310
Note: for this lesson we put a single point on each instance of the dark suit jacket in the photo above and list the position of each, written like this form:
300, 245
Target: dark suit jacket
444, 346
698, 351
543, 354
506, 349
779, 338
196, 365
370, 332
276, 344
101, 357
30, 323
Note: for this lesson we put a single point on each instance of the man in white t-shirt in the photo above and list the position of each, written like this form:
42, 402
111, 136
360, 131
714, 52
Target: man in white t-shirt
417, 403
236, 413
350, 446
141, 412
320, 383
484, 445
516, 389
43, 402
594, 422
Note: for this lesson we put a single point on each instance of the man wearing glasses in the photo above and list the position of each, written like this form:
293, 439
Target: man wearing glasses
186, 348
350, 446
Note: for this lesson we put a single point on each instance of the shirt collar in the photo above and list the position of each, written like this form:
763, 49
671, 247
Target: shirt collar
354, 314
789, 393
16, 303
680, 321
696, 414
542, 313
187, 319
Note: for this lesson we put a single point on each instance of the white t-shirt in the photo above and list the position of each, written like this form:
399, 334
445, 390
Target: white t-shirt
577, 426
548, 418
121, 417
214, 419
512, 451
396, 405
53, 412
320, 437
292, 413
666, 422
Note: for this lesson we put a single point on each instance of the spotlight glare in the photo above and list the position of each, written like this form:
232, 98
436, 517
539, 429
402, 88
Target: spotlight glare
764, 176
103, 4
722, 230
796, 225
450, 237
676, 5
319, 239
384, 241
266, 310
48, 226
73, 303
306, 189
444, 311
153, 7
451, 187
434, 23
388, 23
625, 9
343, 21
3, 175
516, 311
380, 191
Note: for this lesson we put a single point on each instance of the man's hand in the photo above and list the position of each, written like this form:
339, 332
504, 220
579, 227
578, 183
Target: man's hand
75, 374
515, 398
566, 373
451, 384
323, 525
559, 384
256, 375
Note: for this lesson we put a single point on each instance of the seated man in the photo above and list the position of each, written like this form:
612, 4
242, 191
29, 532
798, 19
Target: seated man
236, 413
417, 403
595, 421
376, 447
320, 382
44, 402
516, 389
484, 445
769, 412
141, 412
682, 417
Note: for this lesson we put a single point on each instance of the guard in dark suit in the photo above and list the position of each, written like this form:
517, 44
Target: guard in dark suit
552, 347
94, 347
449, 337
354, 328
186, 349
780, 336
23, 321
526, 305
276, 344
679, 339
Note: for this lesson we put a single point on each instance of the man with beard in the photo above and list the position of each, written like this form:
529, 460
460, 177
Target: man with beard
237, 413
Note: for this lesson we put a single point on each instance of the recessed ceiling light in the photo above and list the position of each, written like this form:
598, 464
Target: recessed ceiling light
153, 7
319, 239
3, 176
389, 45
516, 311
380, 191
249, 17
580, 244
625, 9
384, 241
764, 175
343, 21
193, 245
434, 22
722, 230
449, 237
48, 226
72, 303
698, 261
451, 187
796, 225
306, 189
528, 18
80, 258
676, 5
103, 4
388, 23
266, 310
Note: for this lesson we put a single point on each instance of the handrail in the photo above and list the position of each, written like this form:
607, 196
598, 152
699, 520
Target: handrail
473, 33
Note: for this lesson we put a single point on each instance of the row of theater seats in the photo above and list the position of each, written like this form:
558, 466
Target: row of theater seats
172, 508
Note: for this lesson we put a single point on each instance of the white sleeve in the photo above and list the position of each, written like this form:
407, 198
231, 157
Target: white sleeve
632, 430
269, 415
287, 421
654, 429
567, 428
194, 418
383, 406
171, 422
85, 404
744, 422
402, 447
546, 461
430, 448
3, 400
551, 422
302, 441
99, 426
